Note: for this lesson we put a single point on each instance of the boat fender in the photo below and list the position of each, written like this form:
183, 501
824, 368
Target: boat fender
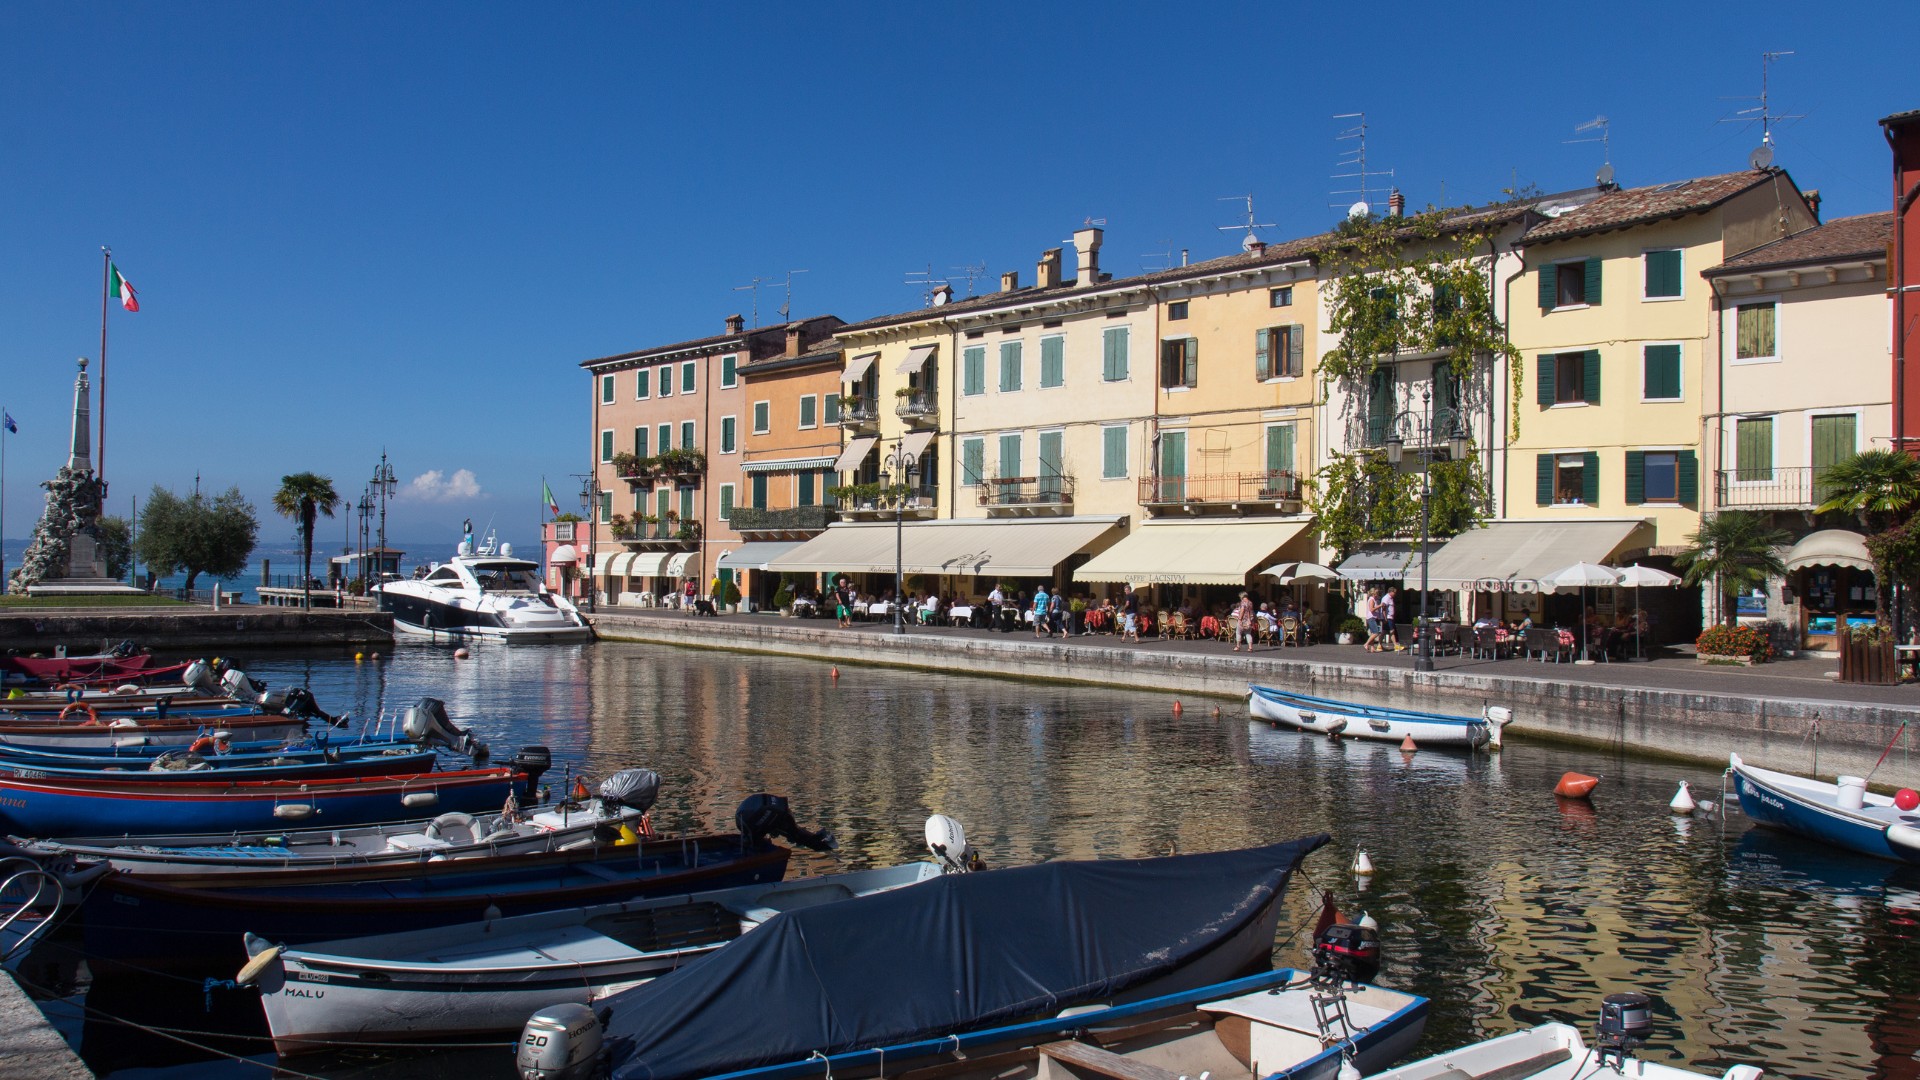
294, 811
413, 800
260, 962
452, 820
1907, 800
1362, 864
1904, 840
72, 707
1335, 727
124, 723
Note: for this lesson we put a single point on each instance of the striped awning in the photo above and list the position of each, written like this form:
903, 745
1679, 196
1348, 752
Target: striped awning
756, 555
780, 465
915, 443
855, 453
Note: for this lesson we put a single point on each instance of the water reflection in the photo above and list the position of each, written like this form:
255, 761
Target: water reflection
1506, 905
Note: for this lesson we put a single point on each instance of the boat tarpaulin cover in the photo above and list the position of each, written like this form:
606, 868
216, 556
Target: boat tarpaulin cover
949, 955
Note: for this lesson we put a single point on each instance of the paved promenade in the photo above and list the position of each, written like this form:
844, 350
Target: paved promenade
33, 1050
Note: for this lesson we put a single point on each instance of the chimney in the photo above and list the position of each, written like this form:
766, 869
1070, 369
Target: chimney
1813, 202
1010, 281
736, 324
1049, 269
1256, 248
1087, 242
796, 335
1183, 256
1396, 203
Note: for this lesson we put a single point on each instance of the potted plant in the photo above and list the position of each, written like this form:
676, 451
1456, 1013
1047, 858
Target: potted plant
1350, 629
622, 526
849, 404
625, 464
1743, 645
903, 392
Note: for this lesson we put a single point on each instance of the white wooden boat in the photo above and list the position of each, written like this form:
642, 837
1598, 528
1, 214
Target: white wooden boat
1327, 716
1845, 815
1547, 1052
481, 978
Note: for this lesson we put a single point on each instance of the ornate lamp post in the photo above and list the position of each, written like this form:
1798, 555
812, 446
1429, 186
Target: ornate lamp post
899, 461
1424, 430
365, 507
586, 511
383, 484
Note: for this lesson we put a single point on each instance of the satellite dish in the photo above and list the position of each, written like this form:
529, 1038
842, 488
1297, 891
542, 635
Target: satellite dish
1604, 176
1248, 243
1761, 157
1359, 209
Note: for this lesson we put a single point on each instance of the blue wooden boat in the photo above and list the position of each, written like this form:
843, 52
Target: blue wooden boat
198, 769
108, 807
236, 754
1844, 815
1304, 712
126, 732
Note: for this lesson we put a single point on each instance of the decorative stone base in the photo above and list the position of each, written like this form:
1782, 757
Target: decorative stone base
83, 587
1743, 661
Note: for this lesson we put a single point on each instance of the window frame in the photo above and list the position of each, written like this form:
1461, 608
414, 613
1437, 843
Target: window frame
1014, 351
606, 445
1772, 420
1177, 310
725, 505
762, 417
1681, 363
1280, 296
643, 384
1124, 358
689, 435
1561, 383
1560, 269
806, 403
606, 389
1681, 275
1560, 462
1189, 361
730, 434
642, 434
978, 445
689, 377
1107, 432
663, 385
1734, 359
1058, 341
729, 371
662, 437
973, 371
1646, 470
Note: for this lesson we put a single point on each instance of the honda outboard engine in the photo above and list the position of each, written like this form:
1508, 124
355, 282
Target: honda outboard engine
235, 684
562, 1042
637, 789
427, 724
948, 842
762, 816
199, 676
1346, 953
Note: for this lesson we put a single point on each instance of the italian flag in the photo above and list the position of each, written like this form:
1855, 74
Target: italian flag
120, 289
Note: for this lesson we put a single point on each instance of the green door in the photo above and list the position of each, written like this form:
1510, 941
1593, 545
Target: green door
1173, 466
1833, 442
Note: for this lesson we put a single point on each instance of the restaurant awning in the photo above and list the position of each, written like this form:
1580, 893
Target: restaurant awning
1831, 547
779, 465
855, 453
1392, 561
915, 443
633, 564
603, 560
754, 556
1512, 556
858, 367
562, 555
916, 359
677, 565
983, 547
1193, 553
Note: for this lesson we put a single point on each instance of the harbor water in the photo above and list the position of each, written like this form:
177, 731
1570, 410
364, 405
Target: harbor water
1506, 906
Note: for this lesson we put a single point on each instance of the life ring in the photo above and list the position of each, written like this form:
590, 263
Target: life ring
93, 717
201, 745
451, 819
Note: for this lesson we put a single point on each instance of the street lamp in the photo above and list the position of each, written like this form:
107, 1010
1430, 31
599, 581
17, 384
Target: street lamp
365, 507
900, 461
1456, 436
383, 483
586, 511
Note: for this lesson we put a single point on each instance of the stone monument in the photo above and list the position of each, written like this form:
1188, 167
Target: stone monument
64, 557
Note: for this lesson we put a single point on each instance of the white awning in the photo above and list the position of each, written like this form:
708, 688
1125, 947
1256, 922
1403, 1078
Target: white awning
858, 367
1382, 562
755, 555
677, 565
603, 560
979, 547
780, 465
915, 443
1512, 556
562, 555
855, 453
916, 359
1831, 547
631, 564
1193, 553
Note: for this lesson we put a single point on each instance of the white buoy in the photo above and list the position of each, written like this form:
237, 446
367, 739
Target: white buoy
1682, 801
1348, 1071
1362, 865
1367, 920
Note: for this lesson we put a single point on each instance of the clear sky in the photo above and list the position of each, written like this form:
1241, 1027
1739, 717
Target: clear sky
355, 226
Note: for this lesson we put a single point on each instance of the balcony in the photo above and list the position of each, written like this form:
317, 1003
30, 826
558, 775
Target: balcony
1797, 488
1216, 492
918, 407
644, 535
681, 468
858, 413
874, 502
791, 523
1026, 496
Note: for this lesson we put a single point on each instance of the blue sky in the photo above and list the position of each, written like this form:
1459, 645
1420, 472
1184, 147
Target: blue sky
356, 226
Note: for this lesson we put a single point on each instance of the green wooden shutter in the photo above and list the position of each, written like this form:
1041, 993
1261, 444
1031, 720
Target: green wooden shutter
1663, 273
1379, 405
1296, 346
806, 490
640, 442
686, 378
1279, 449
1050, 474
606, 389
1592, 377
1543, 378
726, 501
663, 438
666, 380
1549, 287
807, 410
686, 435
662, 502
606, 446
728, 370
759, 491
761, 421
1114, 357
686, 505
606, 507
730, 434
1543, 479
1113, 446
831, 408
1689, 478
973, 461
1661, 374
1636, 477
974, 363
1753, 449
1193, 362
1590, 478
642, 383
1262, 350
1053, 361
1593, 281
1009, 457
1009, 367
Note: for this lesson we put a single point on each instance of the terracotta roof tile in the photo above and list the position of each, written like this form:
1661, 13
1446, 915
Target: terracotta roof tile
1635, 206
1838, 240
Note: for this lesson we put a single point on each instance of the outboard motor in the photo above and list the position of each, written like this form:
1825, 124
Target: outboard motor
426, 723
298, 702
124, 650
637, 789
562, 1042
762, 816
199, 677
1625, 1022
948, 842
1346, 953
534, 761
235, 684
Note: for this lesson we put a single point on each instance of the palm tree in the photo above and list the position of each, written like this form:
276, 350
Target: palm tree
1737, 551
1878, 487
302, 497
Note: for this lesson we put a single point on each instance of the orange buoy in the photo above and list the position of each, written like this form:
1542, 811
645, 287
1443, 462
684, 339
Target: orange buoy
1216, 710
1177, 710
1575, 786
836, 671
1407, 744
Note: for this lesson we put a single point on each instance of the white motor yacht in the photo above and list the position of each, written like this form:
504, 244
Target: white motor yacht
483, 592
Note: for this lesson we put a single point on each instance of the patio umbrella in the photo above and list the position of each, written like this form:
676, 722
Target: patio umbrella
1289, 572
1639, 577
1582, 575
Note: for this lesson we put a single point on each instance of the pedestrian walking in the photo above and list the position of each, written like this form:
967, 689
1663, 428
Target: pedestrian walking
1130, 616
1057, 614
1040, 612
1243, 621
1385, 610
1369, 616
843, 601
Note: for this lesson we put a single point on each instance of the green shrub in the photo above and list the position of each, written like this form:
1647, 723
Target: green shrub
1352, 624
1748, 641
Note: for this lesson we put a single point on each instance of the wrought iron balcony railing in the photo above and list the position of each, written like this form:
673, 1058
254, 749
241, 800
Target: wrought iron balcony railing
745, 519
1026, 491
1800, 487
918, 405
1220, 488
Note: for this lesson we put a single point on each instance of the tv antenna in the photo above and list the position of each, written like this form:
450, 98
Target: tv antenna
973, 272
1355, 159
1762, 155
1252, 225
1599, 123
786, 309
753, 286
1163, 258
925, 282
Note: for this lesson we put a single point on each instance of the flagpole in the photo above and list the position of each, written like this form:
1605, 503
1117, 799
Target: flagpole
100, 458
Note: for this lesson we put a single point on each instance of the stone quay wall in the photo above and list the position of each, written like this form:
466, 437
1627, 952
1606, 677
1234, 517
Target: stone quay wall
176, 630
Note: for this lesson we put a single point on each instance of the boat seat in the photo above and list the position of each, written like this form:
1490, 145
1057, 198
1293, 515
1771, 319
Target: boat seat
414, 842
1078, 1059
1522, 1069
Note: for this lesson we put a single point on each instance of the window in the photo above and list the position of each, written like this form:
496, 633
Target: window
642, 384
666, 379
1051, 473
1009, 367
1277, 352
973, 370
809, 407
832, 409
1569, 378
1660, 373
606, 445
686, 377
973, 461
1663, 275
640, 442
1176, 311
1754, 332
1113, 363
729, 434
1380, 405
1281, 297
1570, 284
606, 389
1179, 362
762, 412
805, 481
1279, 460
1753, 449
726, 500
1009, 456
686, 434
758, 492
662, 503
1053, 361
1662, 476
1113, 452
686, 505
663, 438
729, 372
1568, 479
606, 507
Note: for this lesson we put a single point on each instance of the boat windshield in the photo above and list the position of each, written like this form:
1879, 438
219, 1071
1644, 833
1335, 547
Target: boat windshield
508, 578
